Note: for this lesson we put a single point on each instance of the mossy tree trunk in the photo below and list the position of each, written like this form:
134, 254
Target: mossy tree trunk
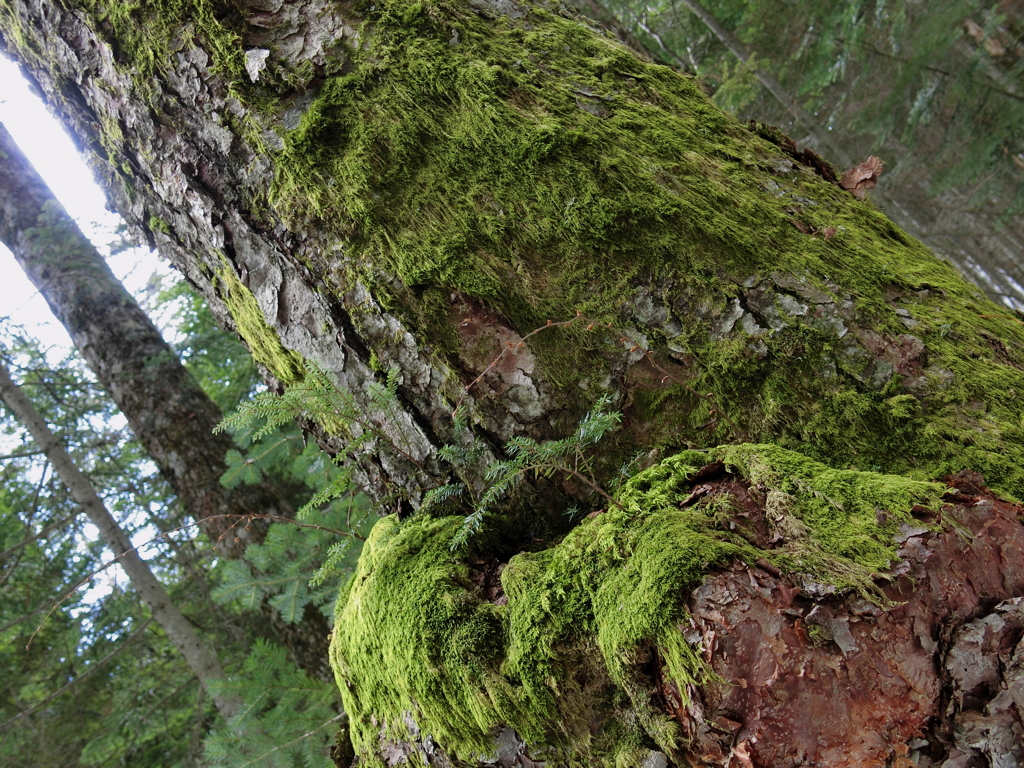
519, 217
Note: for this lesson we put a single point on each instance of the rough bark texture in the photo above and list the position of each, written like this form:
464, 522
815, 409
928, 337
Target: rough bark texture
932, 679
167, 410
420, 187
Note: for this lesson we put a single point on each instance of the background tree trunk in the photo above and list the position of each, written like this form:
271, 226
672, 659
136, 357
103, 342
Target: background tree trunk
972, 229
167, 410
518, 216
201, 660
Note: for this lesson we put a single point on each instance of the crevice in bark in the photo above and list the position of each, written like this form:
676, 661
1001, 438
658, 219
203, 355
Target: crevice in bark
800, 677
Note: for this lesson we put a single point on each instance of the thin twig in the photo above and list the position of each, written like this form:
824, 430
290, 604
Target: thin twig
1005, 317
25, 455
511, 345
44, 532
593, 325
706, 397
593, 486
92, 668
306, 735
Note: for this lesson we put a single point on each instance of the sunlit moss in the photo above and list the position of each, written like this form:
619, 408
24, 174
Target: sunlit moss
262, 340
413, 635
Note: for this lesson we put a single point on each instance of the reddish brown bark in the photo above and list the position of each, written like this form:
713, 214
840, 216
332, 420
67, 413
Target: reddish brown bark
934, 676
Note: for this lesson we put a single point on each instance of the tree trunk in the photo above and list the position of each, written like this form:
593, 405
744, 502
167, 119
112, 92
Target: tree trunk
183, 636
167, 410
519, 217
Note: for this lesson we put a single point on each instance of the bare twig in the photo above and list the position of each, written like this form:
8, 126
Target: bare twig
306, 735
592, 325
509, 346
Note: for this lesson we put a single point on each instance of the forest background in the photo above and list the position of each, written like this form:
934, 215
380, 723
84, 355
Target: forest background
934, 89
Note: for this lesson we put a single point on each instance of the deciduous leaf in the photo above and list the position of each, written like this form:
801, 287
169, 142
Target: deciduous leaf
859, 179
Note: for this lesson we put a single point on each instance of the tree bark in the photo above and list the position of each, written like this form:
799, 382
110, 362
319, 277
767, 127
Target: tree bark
519, 216
200, 659
167, 410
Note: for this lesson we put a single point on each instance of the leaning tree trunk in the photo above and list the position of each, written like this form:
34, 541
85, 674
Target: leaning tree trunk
168, 412
179, 630
510, 215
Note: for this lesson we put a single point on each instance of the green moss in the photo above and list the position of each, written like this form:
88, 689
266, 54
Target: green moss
262, 340
156, 224
543, 169
146, 35
413, 634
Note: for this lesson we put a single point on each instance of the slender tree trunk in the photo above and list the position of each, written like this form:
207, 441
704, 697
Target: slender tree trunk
806, 121
200, 659
519, 217
167, 410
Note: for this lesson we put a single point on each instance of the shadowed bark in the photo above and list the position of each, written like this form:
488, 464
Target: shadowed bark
518, 216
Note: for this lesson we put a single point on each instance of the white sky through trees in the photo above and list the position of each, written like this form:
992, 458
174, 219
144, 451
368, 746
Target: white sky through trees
57, 160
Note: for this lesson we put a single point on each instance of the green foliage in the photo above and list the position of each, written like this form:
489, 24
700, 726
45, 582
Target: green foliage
569, 457
288, 720
88, 678
297, 565
107, 684
316, 399
222, 365
413, 632
900, 73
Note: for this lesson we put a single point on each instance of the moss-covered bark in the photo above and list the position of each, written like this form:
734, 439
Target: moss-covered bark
557, 652
420, 186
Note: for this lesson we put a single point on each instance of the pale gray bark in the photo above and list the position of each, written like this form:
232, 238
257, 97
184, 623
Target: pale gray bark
166, 408
200, 659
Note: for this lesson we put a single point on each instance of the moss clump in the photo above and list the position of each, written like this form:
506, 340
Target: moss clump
413, 635
510, 165
146, 33
262, 340
156, 224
